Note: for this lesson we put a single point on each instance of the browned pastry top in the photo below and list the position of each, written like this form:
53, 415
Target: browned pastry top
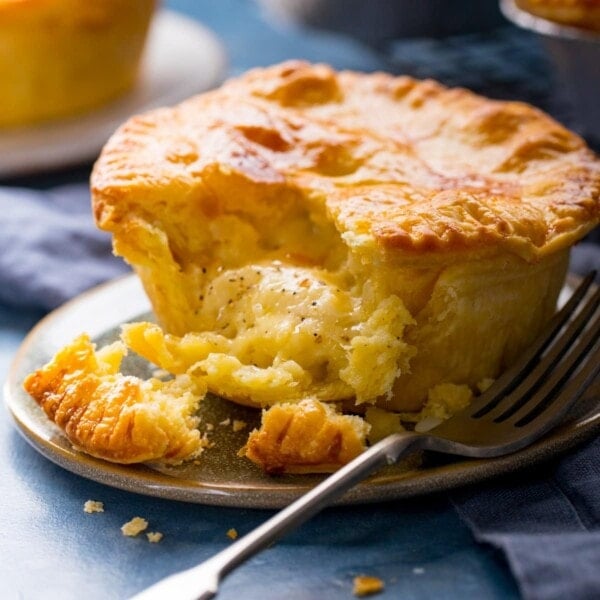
408, 167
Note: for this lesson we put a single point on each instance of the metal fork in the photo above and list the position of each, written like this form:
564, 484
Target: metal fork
523, 404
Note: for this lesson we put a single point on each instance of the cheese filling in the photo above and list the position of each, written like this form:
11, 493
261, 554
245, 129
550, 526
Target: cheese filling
273, 332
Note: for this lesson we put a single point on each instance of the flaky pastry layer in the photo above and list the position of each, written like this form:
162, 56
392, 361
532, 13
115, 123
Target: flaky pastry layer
410, 169
117, 417
305, 437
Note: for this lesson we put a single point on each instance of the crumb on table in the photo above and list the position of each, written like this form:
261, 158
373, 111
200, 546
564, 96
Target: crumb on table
364, 585
225, 422
135, 526
93, 506
154, 536
232, 534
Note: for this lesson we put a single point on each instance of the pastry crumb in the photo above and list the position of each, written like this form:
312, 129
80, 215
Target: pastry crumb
154, 536
365, 585
93, 506
209, 427
239, 425
135, 526
161, 374
485, 384
232, 534
225, 422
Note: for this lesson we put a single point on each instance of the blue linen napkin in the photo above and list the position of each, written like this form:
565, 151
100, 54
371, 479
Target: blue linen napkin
547, 526
50, 248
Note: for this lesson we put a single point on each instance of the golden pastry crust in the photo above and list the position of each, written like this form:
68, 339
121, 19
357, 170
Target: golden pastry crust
116, 417
305, 437
575, 13
412, 169
63, 57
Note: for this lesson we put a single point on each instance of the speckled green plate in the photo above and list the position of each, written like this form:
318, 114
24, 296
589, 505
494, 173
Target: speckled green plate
221, 477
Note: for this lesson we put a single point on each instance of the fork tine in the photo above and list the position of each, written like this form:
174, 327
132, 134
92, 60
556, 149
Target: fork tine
542, 399
515, 375
554, 410
551, 363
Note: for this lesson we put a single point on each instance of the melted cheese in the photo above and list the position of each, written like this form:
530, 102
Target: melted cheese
271, 333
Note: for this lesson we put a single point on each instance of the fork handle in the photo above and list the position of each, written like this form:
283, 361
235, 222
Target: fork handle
182, 585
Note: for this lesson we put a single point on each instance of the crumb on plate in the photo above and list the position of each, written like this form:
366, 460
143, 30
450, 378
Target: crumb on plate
232, 534
154, 536
161, 373
239, 425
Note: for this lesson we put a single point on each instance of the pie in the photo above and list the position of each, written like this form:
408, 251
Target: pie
60, 58
310, 236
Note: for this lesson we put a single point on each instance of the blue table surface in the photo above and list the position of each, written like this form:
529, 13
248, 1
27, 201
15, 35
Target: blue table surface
50, 548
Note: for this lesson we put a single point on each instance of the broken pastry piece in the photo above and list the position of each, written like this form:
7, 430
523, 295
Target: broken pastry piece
125, 419
116, 417
307, 437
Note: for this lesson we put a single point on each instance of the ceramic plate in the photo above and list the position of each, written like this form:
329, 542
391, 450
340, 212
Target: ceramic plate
221, 477
182, 58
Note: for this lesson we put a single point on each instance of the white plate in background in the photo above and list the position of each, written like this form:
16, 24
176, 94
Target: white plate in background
182, 58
